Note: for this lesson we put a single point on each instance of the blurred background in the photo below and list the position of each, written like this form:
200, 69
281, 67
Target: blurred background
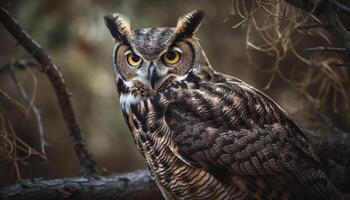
74, 35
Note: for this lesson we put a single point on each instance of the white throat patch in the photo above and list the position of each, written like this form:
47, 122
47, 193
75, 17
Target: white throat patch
126, 100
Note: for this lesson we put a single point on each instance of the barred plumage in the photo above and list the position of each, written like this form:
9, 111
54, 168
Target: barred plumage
203, 134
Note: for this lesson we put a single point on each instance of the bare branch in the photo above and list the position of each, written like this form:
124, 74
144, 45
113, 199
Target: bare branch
307, 5
337, 49
342, 65
32, 106
309, 26
316, 5
328, 10
87, 162
130, 186
18, 64
332, 18
342, 7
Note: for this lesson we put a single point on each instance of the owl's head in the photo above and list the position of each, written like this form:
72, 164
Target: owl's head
147, 60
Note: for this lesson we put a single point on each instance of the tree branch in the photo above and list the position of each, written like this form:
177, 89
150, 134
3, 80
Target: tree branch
130, 186
324, 48
306, 5
328, 10
87, 162
32, 106
17, 64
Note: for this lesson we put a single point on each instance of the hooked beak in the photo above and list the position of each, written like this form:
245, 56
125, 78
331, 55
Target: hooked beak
153, 76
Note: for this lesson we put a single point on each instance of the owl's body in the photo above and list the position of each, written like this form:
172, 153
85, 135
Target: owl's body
206, 135
177, 176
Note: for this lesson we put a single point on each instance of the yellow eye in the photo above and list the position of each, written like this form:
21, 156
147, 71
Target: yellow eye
133, 59
171, 57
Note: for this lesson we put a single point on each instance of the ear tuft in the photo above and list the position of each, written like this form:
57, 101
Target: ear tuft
118, 26
189, 23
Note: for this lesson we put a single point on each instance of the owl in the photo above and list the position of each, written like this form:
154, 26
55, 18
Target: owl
204, 134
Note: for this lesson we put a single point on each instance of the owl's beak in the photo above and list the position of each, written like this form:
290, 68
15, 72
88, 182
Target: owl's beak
153, 76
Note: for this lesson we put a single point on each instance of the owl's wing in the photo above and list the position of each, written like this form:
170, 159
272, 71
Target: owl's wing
235, 132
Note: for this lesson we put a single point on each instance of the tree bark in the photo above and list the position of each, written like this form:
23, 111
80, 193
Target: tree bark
133, 186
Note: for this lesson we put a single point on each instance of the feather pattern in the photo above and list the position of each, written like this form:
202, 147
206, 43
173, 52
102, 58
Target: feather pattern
222, 139
188, 24
118, 26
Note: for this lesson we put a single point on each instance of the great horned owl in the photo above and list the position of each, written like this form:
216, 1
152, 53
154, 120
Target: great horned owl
204, 134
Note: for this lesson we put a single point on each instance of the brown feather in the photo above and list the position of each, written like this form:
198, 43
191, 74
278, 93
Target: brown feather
118, 26
189, 23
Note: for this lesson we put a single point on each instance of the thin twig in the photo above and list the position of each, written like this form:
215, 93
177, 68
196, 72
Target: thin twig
88, 164
342, 65
332, 18
36, 111
343, 8
309, 26
314, 8
328, 10
18, 64
337, 49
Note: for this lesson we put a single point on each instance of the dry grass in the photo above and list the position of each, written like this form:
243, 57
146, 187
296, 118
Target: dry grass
280, 32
